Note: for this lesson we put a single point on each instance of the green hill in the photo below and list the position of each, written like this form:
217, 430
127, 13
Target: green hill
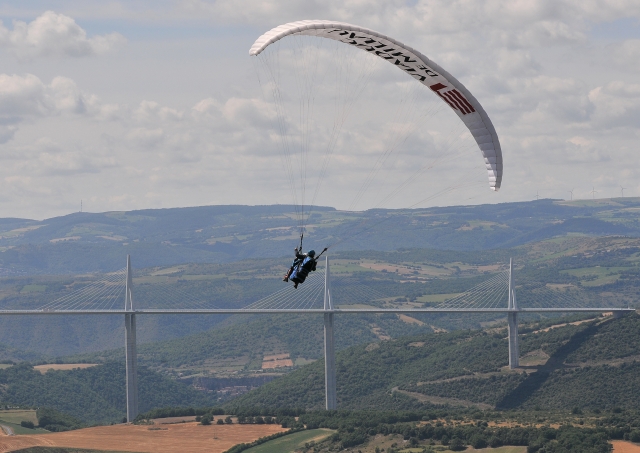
87, 242
93, 395
591, 365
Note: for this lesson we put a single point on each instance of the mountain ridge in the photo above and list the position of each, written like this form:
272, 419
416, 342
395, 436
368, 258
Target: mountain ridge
228, 233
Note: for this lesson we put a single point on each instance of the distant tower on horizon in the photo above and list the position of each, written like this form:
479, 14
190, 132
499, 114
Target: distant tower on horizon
622, 190
571, 192
593, 193
80, 205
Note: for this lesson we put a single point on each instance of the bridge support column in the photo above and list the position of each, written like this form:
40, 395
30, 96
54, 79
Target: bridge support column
512, 319
329, 347
131, 354
514, 350
329, 363
131, 358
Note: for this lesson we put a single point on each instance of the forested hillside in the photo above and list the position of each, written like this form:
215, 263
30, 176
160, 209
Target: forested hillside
94, 395
589, 365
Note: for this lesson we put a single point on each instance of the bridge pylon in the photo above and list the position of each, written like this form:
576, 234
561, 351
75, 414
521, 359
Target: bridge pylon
131, 354
512, 318
329, 347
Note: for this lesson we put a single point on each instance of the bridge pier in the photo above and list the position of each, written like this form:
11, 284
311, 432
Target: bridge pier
514, 350
329, 347
131, 358
512, 319
131, 354
617, 314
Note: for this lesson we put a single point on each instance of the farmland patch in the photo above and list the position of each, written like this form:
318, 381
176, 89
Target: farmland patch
191, 437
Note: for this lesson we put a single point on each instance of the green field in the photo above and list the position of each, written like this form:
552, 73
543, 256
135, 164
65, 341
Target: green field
290, 443
34, 289
17, 429
16, 416
597, 275
437, 297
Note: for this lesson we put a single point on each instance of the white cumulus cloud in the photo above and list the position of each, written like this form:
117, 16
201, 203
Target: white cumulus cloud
52, 34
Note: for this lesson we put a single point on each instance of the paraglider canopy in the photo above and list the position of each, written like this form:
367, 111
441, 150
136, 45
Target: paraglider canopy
414, 63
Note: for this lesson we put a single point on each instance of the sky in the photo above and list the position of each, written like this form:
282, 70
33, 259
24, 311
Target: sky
157, 104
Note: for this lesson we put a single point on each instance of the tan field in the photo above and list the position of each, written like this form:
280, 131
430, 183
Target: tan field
285, 355
410, 320
276, 364
620, 446
191, 437
62, 366
276, 361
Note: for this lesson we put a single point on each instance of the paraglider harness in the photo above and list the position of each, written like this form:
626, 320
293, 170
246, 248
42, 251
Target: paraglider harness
302, 265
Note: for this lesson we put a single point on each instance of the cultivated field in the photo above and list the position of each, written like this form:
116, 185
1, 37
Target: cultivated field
276, 361
291, 442
190, 437
62, 366
18, 415
620, 446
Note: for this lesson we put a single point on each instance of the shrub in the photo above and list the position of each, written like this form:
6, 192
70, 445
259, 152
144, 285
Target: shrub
220, 422
205, 420
27, 424
228, 420
634, 436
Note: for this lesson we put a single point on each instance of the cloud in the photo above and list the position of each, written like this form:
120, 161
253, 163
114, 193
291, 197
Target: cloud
178, 118
146, 138
26, 98
23, 95
149, 111
627, 53
52, 34
617, 105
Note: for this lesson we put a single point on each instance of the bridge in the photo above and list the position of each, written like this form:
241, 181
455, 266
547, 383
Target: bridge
495, 295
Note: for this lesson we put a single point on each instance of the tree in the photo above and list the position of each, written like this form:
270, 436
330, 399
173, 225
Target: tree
478, 442
206, 420
456, 444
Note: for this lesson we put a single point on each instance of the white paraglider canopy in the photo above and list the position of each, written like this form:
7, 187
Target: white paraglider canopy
414, 63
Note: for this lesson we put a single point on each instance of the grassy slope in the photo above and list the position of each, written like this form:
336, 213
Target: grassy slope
17, 429
582, 371
290, 443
